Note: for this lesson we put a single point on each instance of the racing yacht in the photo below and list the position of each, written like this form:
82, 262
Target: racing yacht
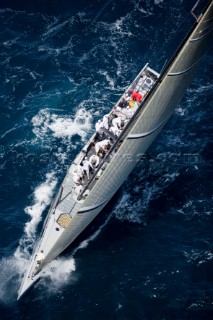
103, 164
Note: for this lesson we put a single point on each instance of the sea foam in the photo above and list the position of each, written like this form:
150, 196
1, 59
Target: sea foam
42, 197
13, 267
60, 271
59, 126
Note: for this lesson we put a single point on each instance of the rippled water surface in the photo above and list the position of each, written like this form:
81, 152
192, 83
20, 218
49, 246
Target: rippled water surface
149, 254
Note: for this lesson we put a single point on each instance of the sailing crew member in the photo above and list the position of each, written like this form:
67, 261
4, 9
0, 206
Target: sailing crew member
117, 122
98, 125
98, 128
102, 145
119, 112
136, 95
78, 174
128, 112
76, 178
115, 130
87, 166
94, 160
106, 121
78, 189
127, 96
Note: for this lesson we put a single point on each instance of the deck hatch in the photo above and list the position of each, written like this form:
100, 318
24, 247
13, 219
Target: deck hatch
64, 220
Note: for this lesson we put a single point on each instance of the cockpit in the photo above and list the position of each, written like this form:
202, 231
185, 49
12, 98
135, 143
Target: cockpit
109, 134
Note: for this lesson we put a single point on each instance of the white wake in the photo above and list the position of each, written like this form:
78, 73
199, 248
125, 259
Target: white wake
13, 267
59, 127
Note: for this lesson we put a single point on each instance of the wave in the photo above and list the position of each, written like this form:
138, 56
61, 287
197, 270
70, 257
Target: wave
10, 42
59, 127
13, 267
110, 81
198, 257
86, 242
194, 207
200, 89
145, 12
158, 2
181, 111
54, 27
137, 195
9, 131
132, 210
42, 197
120, 26
55, 275
61, 271
5, 10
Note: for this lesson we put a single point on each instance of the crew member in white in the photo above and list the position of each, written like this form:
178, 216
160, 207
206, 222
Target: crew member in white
76, 178
117, 122
99, 128
86, 167
78, 174
79, 170
102, 145
78, 190
106, 121
94, 160
128, 112
115, 130
98, 125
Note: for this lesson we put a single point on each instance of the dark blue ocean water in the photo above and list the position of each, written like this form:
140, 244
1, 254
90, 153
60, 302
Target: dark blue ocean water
149, 254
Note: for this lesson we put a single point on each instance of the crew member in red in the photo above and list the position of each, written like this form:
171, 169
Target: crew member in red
136, 95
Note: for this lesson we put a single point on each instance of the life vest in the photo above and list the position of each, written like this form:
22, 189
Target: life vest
131, 103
